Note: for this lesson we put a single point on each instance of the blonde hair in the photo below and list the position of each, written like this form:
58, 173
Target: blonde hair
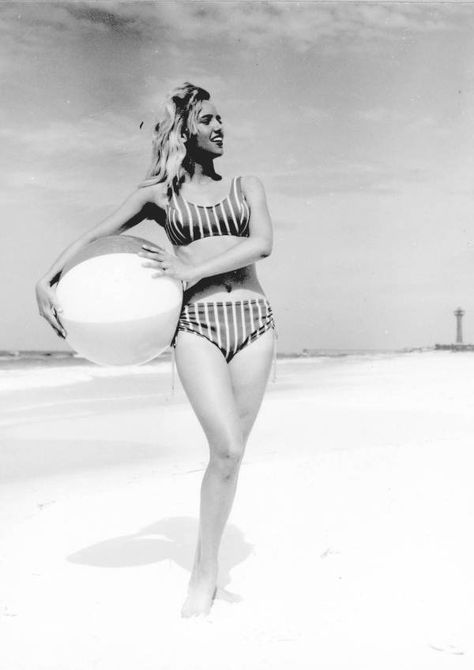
177, 123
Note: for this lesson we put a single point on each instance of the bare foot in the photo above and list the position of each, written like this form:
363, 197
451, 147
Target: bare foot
202, 590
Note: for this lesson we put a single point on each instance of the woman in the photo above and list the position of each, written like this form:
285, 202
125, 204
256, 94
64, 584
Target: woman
225, 338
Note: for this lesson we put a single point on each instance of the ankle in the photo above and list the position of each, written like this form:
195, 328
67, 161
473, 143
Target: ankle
207, 569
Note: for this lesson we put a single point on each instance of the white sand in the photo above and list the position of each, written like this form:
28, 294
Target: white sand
349, 545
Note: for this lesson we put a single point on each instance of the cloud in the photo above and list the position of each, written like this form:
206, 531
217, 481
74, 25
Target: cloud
297, 26
347, 177
310, 113
81, 162
407, 122
109, 133
381, 115
103, 18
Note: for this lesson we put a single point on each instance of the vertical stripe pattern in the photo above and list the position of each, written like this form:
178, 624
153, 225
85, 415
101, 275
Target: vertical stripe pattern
186, 221
229, 325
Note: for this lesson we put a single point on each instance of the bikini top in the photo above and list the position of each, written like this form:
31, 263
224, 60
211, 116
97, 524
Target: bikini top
186, 221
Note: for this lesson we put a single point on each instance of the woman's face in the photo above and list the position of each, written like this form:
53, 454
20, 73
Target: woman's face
210, 133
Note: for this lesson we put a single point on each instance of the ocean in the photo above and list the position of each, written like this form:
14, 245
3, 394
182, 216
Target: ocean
21, 370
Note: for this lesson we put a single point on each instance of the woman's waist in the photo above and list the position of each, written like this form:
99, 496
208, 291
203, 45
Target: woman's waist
242, 280
220, 297
229, 286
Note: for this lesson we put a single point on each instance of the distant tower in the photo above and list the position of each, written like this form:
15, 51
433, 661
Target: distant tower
459, 313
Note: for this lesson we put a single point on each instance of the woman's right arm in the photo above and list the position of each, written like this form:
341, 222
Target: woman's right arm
129, 214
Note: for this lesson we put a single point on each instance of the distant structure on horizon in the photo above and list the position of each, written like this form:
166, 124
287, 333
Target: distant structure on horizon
459, 313
459, 346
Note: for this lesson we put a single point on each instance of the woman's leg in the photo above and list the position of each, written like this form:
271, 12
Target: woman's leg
249, 371
205, 377
226, 399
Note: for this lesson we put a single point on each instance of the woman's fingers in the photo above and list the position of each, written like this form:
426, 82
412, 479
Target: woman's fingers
155, 257
58, 329
153, 252
51, 316
162, 267
49, 308
60, 333
159, 260
152, 248
56, 313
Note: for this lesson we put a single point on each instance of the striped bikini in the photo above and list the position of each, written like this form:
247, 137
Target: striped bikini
229, 325
187, 222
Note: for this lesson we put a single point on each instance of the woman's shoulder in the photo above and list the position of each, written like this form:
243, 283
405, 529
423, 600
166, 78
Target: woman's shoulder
252, 185
155, 194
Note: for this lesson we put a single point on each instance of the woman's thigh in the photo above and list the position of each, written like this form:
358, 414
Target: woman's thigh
206, 379
249, 371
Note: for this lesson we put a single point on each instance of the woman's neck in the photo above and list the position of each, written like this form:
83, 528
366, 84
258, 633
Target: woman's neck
200, 170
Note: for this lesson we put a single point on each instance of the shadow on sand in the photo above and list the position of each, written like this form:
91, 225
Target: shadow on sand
173, 538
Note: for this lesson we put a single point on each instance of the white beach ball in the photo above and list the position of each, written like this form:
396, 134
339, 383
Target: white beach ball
114, 311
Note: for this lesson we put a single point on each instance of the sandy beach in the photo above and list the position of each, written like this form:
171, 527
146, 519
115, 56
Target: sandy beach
349, 544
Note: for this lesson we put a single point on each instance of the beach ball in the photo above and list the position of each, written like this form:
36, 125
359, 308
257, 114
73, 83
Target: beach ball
114, 311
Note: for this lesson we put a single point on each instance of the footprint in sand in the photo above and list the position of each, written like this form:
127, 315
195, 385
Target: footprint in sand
448, 649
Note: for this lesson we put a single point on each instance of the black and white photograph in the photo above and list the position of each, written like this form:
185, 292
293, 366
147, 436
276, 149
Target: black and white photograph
237, 342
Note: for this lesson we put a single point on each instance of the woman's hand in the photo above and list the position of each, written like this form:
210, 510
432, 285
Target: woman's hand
49, 307
169, 264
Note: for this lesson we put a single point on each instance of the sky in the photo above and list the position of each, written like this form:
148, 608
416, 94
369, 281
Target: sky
358, 118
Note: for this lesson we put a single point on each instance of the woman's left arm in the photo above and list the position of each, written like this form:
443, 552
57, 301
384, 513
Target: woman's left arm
248, 250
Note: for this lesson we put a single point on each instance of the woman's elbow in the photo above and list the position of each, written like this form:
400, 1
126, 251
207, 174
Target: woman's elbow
266, 248
262, 246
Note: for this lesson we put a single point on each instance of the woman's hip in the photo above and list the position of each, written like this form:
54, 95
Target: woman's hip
247, 309
229, 324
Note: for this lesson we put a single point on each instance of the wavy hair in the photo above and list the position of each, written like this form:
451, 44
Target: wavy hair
175, 126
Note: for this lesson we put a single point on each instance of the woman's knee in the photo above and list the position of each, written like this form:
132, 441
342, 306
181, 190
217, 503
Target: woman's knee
227, 453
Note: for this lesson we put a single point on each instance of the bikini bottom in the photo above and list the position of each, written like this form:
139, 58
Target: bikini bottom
230, 326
